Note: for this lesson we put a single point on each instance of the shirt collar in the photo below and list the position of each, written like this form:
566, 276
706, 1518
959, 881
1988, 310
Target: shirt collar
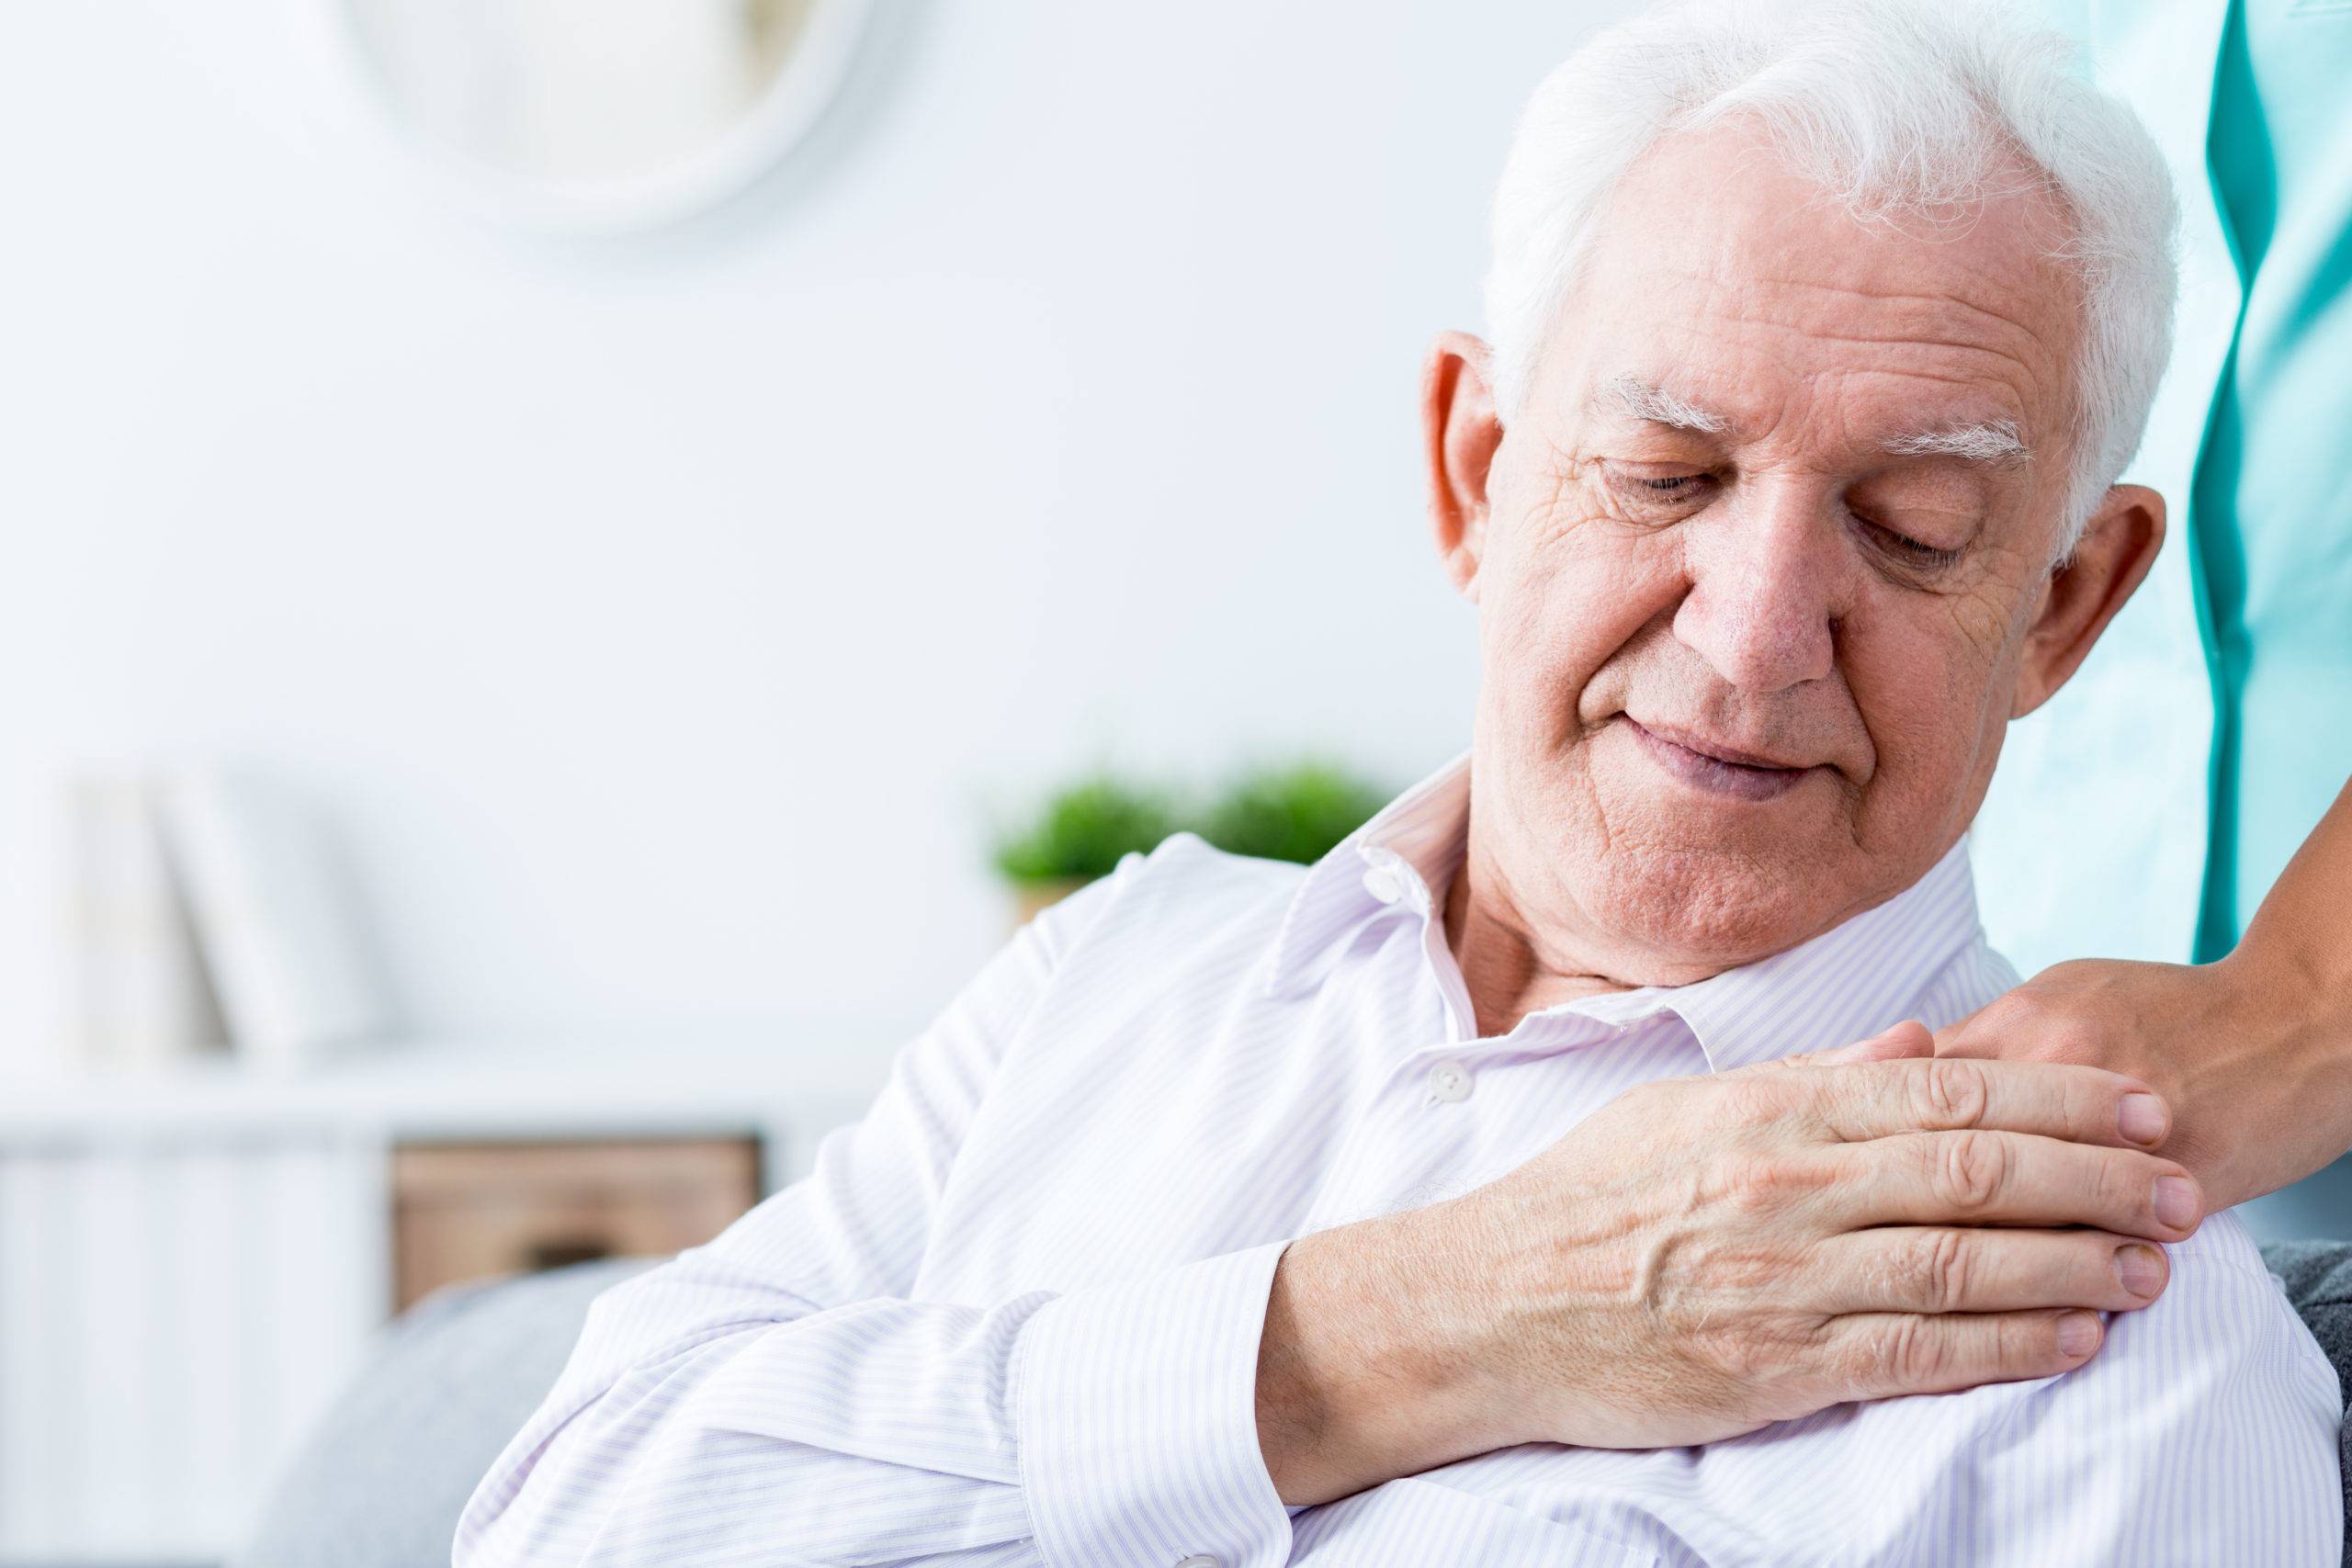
1845, 984
1425, 828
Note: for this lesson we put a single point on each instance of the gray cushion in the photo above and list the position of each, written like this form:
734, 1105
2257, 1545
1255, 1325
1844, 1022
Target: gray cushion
2318, 1276
380, 1483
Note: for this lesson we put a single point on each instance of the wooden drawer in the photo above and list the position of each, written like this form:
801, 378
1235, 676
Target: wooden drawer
466, 1211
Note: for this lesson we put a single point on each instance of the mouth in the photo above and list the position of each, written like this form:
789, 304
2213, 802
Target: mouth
1720, 770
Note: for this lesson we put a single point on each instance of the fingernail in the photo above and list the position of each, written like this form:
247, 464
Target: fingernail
2140, 1269
2176, 1201
2077, 1334
2141, 1118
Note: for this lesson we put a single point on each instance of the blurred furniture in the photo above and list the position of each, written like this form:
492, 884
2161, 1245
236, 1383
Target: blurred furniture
470, 1211
382, 1477
380, 1482
192, 1262
2318, 1277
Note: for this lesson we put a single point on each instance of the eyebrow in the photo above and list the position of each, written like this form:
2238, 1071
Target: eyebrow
1994, 441
1636, 399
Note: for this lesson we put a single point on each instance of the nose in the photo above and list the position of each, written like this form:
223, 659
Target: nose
1764, 595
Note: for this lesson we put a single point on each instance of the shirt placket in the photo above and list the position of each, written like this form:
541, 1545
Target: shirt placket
1426, 1134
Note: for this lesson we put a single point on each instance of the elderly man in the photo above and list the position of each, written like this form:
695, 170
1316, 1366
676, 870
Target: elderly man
1448, 1202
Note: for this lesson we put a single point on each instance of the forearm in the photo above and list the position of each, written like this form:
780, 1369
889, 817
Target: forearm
755, 1440
2301, 935
1107, 1423
2290, 976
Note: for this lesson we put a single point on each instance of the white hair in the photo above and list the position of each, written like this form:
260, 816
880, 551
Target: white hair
1892, 106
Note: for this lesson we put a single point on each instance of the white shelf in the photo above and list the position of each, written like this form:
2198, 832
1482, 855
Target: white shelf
256, 1201
790, 1081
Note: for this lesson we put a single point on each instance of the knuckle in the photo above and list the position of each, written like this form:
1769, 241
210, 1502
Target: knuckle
2072, 1040
2007, 1016
1908, 1351
2039, 1028
1974, 1170
1950, 1092
1940, 1266
1920, 1352
1766, 1181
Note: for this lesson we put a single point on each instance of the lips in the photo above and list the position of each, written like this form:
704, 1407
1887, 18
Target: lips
1716, 767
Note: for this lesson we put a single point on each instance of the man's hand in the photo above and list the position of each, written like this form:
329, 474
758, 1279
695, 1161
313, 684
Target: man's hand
1704, 1256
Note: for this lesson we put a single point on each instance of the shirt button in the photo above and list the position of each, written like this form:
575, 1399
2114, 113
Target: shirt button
1450, 1081
1200, 1560
1384, 885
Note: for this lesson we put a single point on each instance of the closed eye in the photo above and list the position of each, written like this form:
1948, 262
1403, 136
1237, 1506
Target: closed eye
1910, 551
1658, 494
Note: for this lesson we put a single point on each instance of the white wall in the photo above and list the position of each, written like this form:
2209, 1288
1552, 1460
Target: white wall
658, 619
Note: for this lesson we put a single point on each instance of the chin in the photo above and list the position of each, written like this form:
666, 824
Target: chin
1685, 913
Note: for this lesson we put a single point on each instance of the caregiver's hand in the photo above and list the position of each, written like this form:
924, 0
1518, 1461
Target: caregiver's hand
2254, 1054
1706, 1255
2262, 1088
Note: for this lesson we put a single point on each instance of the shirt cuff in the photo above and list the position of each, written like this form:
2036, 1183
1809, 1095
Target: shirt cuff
1137, 1419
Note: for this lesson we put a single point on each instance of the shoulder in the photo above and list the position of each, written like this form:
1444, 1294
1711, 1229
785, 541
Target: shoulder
2204, 1430
2224, 1305
1185, 893
2218, 1365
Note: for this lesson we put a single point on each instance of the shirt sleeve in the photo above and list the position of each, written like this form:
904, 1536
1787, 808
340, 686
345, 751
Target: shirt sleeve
773, 1397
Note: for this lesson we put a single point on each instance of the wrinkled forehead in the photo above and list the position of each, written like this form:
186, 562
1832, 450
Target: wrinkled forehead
1724, 279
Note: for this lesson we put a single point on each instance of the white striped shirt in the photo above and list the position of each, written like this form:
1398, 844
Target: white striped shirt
1012, 1316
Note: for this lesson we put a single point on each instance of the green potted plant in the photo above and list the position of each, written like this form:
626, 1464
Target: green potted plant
1294, 811
1080, 835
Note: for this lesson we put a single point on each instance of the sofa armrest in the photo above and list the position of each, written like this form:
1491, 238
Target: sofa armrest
379, 1482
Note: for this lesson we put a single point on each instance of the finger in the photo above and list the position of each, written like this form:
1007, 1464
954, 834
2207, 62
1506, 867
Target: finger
1877, 1355
1940, 1269
2084, 1105
1980, 1177
1908, 1039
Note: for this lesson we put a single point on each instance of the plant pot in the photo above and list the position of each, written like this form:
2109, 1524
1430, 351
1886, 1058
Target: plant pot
1028, 898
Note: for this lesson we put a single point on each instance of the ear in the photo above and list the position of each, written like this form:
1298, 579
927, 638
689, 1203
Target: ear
2086, 589
1460, 431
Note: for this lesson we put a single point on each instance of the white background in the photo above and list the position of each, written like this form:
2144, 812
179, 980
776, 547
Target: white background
661, 621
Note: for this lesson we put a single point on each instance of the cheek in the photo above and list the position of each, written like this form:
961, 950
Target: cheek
1575, 591
1927, 684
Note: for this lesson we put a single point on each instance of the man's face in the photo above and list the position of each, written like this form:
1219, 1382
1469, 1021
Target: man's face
1759, 584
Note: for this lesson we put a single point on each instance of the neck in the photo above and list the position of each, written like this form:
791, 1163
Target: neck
1506, 970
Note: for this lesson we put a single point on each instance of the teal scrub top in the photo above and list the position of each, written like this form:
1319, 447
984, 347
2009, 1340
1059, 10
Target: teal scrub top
2143, 812
2270, 511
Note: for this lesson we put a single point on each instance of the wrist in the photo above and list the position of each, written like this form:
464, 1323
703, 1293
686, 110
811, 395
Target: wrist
1369, 1366
2295, 1000
2280, 1018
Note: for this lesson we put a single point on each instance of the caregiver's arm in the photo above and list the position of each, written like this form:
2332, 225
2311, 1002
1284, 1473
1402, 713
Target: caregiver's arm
2254, 1052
